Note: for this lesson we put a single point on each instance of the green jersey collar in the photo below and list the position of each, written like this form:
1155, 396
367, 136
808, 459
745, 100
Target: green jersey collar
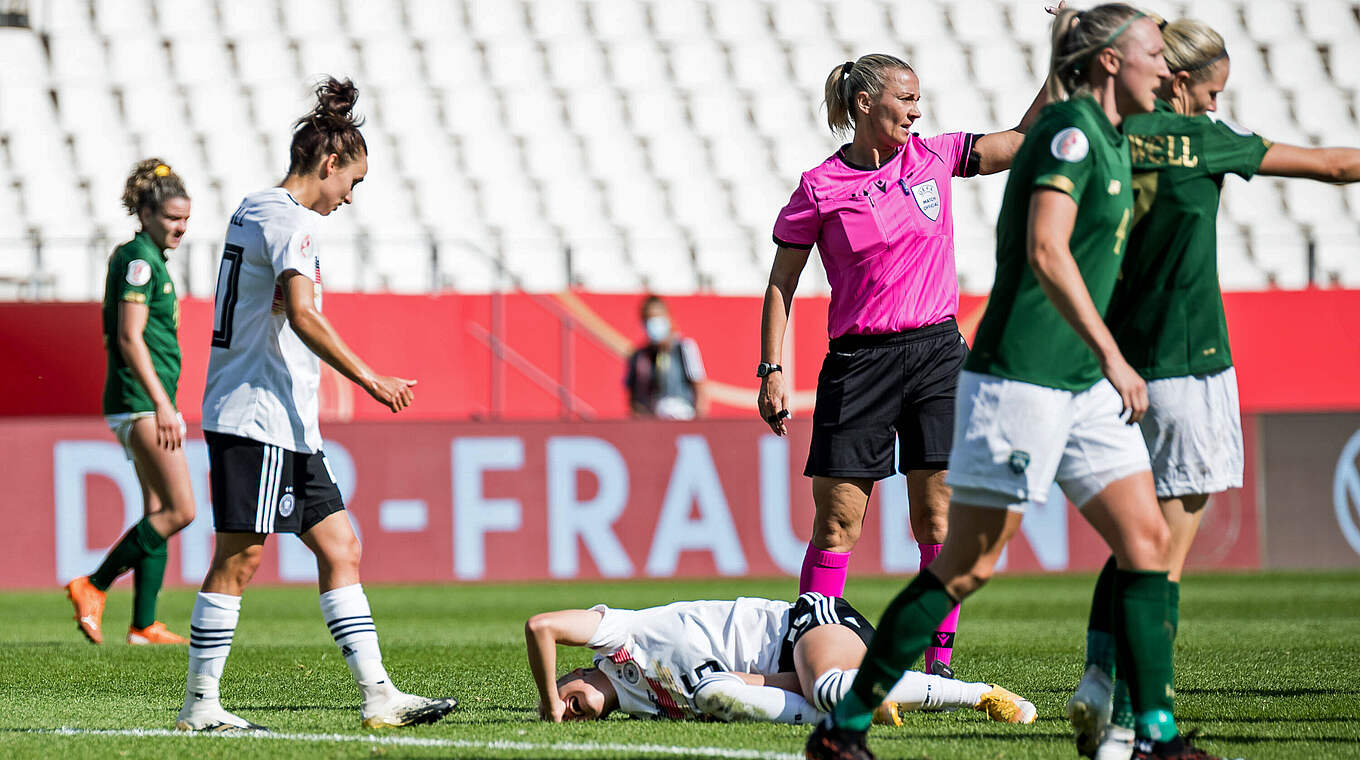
143, 238
1111, 132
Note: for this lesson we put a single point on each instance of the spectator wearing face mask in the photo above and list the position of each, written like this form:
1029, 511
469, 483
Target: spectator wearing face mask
666, 375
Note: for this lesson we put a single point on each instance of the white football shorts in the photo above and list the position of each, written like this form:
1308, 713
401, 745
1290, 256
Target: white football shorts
1193, 431
1013, 439
121, 425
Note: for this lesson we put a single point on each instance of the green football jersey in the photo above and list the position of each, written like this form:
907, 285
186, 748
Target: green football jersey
1074, 149
137, 274
1167, 312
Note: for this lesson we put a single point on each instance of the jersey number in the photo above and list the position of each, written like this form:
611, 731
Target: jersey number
712, 666
224, 305
1122, 232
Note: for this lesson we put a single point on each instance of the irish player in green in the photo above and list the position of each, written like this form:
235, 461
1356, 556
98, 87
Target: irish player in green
1043, 393
141, 326
1167, 316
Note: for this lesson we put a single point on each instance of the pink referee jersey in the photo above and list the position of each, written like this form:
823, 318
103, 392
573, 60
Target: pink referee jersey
886, 235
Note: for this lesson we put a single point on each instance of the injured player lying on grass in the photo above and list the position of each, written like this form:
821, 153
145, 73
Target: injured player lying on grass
749, 659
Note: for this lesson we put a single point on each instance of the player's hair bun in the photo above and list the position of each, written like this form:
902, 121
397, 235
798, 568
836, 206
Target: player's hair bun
151, 183
335, 101
330, 127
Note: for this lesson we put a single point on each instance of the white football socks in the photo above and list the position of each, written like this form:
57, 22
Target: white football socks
350, 621
210, 633
830, 686
728, 698
921, 691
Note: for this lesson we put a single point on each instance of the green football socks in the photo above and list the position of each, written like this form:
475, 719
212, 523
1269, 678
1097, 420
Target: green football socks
142, 549
147, 577
1143, 634
901, 637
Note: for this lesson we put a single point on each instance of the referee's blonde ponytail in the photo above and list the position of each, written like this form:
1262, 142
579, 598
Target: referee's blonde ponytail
150, 185
1078, 36
851, 78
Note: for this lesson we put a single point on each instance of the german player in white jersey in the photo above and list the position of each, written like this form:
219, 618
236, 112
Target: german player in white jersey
268, 472
747, 659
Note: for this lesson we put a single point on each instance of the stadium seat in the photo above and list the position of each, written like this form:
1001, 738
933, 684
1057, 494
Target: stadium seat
600, 264
612, 22
739, 19
61, 16
574, 62
312, 19
435, 20
187, 18
495, 19
635, 63
390, 61
74, 58
367, 20
250, 18
1295, 62
466, 267
115, 17
758, 62
557, 19
697, 64
678, 20
1271, 21
1331, 21
331, 55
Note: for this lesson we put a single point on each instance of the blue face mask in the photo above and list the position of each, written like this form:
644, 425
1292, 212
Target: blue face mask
658, 328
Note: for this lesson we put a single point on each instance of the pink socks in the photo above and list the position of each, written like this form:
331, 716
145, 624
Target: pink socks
942, 641
823, 572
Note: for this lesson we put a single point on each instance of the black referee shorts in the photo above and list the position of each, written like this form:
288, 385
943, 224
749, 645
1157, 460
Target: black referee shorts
874, 388
259, 488
813, 609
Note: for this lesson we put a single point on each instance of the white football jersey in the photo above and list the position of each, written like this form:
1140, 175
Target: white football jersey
262, 380
655, 657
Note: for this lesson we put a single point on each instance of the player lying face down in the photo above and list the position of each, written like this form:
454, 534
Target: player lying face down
748, 659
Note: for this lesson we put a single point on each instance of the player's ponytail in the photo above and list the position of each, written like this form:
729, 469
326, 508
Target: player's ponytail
151, 184
1078, 36
851, 78
1193, 47
331, 127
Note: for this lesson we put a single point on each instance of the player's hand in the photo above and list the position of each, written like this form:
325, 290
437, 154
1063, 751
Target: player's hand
168, 435
552, 711
1054, 10
773, 402
1130, 385
395, 393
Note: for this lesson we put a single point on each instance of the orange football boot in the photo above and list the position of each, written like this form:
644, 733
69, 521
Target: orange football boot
89, 603
156, 633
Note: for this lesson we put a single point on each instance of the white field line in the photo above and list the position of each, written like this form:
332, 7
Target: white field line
417, 741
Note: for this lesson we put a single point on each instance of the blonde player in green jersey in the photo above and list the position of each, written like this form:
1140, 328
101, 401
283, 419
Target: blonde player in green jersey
141, 326
1167, 316
1042, 394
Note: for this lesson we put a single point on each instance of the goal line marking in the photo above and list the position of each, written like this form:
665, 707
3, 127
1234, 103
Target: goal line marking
418, 741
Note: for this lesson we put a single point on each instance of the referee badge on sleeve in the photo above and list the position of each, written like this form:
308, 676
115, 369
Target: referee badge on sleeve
927, 195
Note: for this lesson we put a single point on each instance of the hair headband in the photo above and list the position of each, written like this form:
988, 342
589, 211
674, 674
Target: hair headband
1124, 27
161, 170
1205, 65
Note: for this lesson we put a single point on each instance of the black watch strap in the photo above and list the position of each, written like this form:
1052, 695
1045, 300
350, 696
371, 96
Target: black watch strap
764, 369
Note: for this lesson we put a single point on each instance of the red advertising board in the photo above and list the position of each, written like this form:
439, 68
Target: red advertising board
55, 364
466, 502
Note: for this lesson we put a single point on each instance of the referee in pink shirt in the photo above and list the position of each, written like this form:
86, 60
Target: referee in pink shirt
880, 213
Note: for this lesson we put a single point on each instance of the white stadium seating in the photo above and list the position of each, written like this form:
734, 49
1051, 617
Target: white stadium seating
613, 145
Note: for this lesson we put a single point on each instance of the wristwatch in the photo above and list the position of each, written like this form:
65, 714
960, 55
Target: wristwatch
764, 369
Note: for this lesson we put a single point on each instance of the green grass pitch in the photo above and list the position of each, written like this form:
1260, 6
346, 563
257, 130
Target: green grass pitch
1268, 666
